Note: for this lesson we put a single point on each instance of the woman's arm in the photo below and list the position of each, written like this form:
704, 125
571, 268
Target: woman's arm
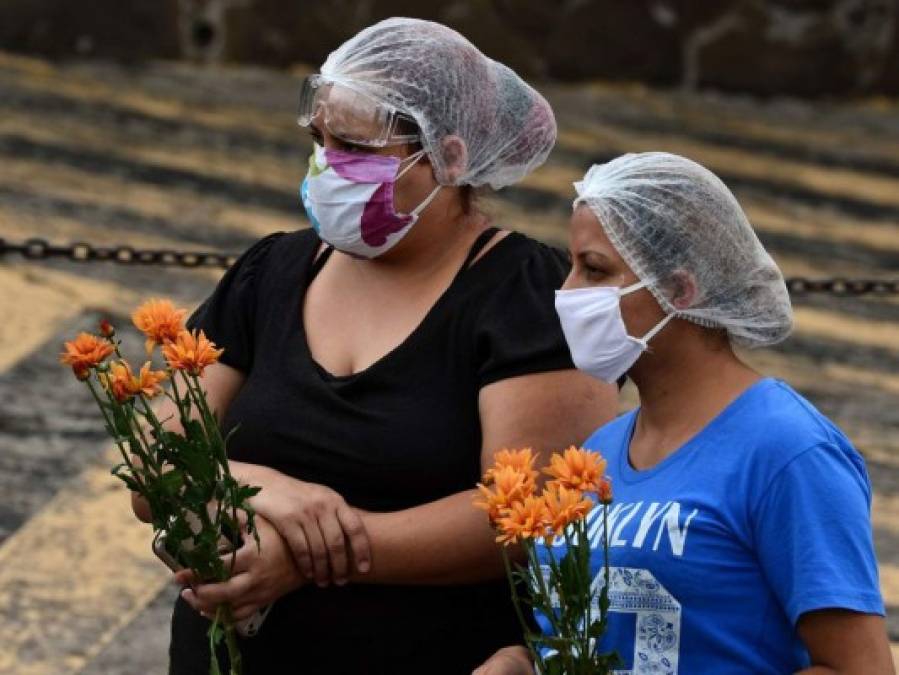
507, 661
841, 642
449, 541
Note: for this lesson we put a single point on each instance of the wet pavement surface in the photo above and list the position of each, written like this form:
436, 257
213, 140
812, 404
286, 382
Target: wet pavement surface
174, 156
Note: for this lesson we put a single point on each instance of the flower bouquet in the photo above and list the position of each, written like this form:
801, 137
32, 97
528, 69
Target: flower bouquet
559, 588
197, 506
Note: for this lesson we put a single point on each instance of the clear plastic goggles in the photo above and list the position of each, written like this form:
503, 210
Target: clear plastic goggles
350, 115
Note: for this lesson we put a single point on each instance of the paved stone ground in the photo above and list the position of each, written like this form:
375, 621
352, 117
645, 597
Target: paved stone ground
169, 155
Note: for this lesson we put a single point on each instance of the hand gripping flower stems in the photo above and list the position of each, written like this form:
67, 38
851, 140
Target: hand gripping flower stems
198, 508
559, 588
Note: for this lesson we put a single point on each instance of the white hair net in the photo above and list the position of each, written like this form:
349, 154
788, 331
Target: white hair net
454, 93
665, 215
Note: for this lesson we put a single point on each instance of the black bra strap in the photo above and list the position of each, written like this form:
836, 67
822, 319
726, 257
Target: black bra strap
320, 259
483, 239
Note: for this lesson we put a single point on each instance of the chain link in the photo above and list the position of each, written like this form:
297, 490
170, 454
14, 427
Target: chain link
40, 249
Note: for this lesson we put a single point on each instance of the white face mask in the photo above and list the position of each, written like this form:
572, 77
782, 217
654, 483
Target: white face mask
595, 332
348, 197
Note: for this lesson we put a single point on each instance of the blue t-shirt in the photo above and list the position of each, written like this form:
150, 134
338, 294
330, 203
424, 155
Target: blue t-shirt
717, 550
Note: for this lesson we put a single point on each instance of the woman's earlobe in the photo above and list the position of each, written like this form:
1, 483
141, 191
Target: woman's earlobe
685, 290
454, 154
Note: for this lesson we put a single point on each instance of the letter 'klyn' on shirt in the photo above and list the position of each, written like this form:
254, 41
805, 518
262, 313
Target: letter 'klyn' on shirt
640, 525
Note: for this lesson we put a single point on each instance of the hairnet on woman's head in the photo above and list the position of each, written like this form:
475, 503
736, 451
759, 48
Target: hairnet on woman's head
480, 122
667, 215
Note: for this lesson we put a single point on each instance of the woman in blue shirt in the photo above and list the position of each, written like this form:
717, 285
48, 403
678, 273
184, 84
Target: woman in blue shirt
740, 536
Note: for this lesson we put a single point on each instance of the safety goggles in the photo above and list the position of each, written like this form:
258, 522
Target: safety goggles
350, 115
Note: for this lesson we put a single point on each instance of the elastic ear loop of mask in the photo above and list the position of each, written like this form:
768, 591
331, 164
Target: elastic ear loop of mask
427, 201
659, 326
655, 331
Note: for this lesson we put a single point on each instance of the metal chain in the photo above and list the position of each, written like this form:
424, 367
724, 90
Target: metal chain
40, 249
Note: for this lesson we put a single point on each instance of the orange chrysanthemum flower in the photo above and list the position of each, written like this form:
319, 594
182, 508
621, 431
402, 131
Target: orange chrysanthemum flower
577, 469
605, 491
159, 321
509, 486
123, 384
520, 460
85, 352
564, 506
526, 519
191, 352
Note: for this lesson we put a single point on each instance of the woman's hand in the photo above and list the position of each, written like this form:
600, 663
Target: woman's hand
260, 576
325, 535
507, 661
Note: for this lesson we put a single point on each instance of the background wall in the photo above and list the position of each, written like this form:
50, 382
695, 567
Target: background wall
800, 47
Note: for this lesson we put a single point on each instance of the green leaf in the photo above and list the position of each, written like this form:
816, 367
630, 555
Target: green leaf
557, 642
597, 628
193, 430
231, 433
125, 477
171, 481
245, 492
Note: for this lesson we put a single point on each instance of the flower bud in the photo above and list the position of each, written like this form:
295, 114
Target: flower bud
605, 491
107, 330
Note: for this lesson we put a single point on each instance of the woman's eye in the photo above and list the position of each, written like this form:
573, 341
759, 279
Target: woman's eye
593, 272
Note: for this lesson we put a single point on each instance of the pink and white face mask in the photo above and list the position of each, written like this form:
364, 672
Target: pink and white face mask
348, 197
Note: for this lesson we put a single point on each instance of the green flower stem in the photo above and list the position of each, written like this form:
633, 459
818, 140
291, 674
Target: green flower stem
125, 454
605, 546
209, 422
556, 576
584, 565
563, 605
235, 659
234, 655
541, 584
535, 655
143, 437
148, 465
203, 405
197, 401
577, 621
182, 404
213, 432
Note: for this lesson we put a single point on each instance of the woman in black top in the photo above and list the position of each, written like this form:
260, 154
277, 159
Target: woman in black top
371, 373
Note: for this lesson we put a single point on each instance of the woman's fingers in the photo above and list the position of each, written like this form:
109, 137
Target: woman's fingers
343, 531
355, 532
329, 540
299, 549
242, 520
319, 552
245, 611
208, 597
184, 578
336, 543
242, 558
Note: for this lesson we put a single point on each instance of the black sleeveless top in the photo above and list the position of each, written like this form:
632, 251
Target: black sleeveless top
403, 432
